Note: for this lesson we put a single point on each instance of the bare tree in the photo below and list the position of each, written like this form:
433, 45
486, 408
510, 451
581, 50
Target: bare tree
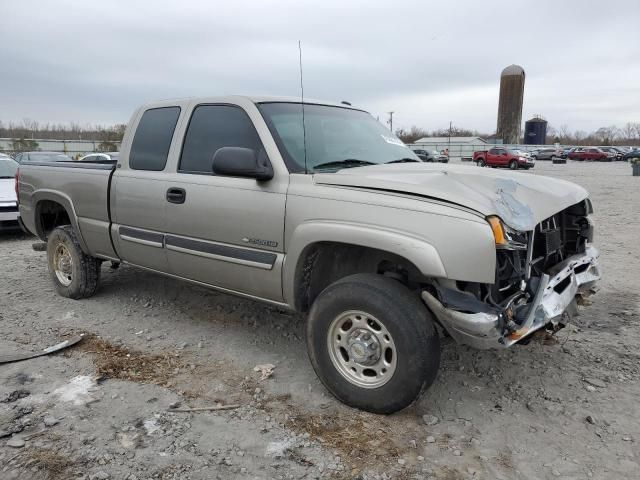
413, 134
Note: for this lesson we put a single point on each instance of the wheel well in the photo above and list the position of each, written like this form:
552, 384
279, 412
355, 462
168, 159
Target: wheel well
49, 215
323, 263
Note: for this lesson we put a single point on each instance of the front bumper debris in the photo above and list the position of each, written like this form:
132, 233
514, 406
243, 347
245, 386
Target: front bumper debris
553, 301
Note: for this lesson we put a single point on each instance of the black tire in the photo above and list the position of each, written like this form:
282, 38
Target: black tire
407, 320
481, 163
83, 274
513, 165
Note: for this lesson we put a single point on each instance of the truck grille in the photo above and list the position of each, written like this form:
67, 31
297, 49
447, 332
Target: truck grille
9, 208
561, 236
554, 239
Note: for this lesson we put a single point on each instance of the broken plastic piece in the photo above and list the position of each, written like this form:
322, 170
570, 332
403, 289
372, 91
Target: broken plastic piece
17, 357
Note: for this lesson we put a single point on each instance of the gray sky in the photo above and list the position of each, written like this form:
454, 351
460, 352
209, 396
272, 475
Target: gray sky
94, 62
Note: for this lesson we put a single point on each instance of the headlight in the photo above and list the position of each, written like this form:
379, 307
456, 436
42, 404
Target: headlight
506, 237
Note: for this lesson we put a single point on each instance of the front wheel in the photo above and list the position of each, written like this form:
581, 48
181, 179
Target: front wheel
373, 343
513, 165
74, 273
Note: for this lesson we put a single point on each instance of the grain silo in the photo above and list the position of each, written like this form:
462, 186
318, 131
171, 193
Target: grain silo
535, 131
510, 104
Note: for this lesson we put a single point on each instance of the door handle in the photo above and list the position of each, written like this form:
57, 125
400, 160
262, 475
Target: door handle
176, 195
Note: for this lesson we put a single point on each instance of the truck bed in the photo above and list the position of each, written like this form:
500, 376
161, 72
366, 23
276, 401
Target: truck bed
82, 188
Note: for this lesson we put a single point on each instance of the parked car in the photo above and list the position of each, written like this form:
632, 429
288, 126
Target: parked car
566, 151
431, 156
632, 154
42, 157
612, 152
103, 157
589, 153
545, 154
8, 199
375, 246
503, 157
623, 151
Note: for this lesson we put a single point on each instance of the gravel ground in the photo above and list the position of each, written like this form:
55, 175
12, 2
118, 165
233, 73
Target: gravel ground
560, 407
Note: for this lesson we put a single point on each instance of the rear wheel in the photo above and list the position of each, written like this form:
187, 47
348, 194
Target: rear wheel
372, 343
74, 274
513, 165
481, 163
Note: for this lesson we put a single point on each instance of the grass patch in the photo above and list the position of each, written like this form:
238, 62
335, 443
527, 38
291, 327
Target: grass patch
114, 361
53, 464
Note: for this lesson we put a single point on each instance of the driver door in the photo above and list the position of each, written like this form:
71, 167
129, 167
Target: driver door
224, 231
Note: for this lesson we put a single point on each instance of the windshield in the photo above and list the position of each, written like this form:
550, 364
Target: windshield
335, 137
8, 168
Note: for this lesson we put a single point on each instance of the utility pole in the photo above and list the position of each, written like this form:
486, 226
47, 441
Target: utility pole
390, 121
450, 127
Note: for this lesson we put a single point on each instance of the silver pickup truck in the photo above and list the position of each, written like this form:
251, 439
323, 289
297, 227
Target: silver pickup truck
318, 208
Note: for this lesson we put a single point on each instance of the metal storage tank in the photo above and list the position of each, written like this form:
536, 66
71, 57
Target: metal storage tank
535, 131
510, 104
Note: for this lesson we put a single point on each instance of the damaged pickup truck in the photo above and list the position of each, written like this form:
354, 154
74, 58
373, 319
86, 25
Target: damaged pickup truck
318, 208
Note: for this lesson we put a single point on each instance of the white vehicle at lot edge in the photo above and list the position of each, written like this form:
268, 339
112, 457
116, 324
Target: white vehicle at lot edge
338, 219
8, 199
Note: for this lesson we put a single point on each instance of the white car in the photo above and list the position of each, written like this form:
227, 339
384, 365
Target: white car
8, 199
106, 157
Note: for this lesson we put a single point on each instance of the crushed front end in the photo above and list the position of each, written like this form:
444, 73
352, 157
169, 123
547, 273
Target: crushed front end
539, 276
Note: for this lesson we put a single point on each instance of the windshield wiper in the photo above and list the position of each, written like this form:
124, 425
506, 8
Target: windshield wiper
404, 160
346, 163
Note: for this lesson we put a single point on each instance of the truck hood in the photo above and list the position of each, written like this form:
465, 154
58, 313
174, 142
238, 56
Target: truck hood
521, 200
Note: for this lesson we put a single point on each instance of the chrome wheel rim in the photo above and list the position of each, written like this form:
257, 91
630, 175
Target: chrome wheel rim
362, 349
63, 264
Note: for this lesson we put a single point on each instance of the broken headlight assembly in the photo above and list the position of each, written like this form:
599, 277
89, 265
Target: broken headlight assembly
507, 238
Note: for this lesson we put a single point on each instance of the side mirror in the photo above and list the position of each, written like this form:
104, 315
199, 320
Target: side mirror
242, 162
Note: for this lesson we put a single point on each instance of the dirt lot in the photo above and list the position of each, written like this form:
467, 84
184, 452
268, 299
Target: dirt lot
564, 407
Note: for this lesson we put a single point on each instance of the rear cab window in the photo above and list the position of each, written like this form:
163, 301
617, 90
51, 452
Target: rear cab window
152, 139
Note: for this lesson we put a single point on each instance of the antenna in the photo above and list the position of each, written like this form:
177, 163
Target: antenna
304, 129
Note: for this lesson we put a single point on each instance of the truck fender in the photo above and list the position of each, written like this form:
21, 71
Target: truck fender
67, 204
416, 250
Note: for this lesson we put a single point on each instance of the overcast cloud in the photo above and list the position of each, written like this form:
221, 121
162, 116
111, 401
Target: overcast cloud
94, 62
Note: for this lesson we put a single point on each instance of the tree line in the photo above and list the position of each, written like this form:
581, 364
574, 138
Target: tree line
627, 135
32, 129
